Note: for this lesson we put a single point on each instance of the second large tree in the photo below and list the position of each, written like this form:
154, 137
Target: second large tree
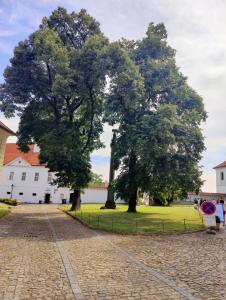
159, 141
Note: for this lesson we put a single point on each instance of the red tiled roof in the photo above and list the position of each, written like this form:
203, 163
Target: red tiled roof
12, 152
95, 186
222, 165
4, 127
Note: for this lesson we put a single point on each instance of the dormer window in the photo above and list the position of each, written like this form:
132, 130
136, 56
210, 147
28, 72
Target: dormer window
222, 175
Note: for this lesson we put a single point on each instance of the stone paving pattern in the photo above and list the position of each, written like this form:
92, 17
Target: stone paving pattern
31, 266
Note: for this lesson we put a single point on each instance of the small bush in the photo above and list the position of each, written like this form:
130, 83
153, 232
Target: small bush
9, 201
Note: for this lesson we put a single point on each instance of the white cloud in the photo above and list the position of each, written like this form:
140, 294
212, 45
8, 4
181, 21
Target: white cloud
102, 170
6, 48
106, 139
6, 32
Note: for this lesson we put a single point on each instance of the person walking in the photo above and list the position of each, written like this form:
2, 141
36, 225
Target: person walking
219, 213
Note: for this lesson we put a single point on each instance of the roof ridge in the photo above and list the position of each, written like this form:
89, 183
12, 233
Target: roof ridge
221, 165
6, 128
13, 152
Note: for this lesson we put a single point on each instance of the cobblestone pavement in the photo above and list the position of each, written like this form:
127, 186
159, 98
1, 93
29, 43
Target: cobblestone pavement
45, 254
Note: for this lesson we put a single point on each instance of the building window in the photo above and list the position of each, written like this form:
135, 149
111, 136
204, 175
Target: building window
21, 194
23, 177
34, 194
36, 177
11, 175
49, 179
222, 175
8, 193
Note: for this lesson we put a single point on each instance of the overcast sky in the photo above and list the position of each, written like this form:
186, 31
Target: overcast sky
196, 29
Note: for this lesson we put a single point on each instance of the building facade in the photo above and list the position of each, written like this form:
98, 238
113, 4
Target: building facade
206, 196
25, 179
221, 177
220, 187
5, 132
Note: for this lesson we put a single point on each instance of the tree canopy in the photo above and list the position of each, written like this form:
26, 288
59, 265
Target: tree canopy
159, 140
66, 76
56, 82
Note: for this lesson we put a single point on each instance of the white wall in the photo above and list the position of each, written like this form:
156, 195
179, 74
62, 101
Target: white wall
28, 186
94, 195
220, 184
213, 197
40, 187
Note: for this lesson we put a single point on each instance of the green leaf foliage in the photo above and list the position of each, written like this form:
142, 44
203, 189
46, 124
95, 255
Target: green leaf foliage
96, 179
159, 141
66, 79
56, 81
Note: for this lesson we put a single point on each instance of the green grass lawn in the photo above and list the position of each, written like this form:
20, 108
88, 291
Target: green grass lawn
4, 209
148, 219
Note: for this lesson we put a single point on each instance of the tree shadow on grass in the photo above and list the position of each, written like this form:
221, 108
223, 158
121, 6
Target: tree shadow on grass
31, 223
35, 226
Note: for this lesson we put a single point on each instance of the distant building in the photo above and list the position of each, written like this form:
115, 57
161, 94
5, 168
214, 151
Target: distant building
220, 186
5, 132
24, 178
221, 177
206, 196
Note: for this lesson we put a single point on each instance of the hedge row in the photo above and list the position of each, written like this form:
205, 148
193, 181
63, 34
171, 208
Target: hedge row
9, 201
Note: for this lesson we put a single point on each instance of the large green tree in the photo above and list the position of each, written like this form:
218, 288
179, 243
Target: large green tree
175, 169
56, 83
159, 140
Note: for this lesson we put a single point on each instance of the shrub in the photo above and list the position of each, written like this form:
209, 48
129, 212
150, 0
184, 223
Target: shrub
9, 201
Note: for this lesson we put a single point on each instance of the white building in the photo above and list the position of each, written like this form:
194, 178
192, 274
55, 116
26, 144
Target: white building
221, 177
205, 196
220, 186
23, 178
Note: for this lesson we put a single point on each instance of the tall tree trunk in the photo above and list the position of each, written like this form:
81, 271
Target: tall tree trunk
170, 201
76, 200
157, 201
133, 200
132, 183
110, 203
